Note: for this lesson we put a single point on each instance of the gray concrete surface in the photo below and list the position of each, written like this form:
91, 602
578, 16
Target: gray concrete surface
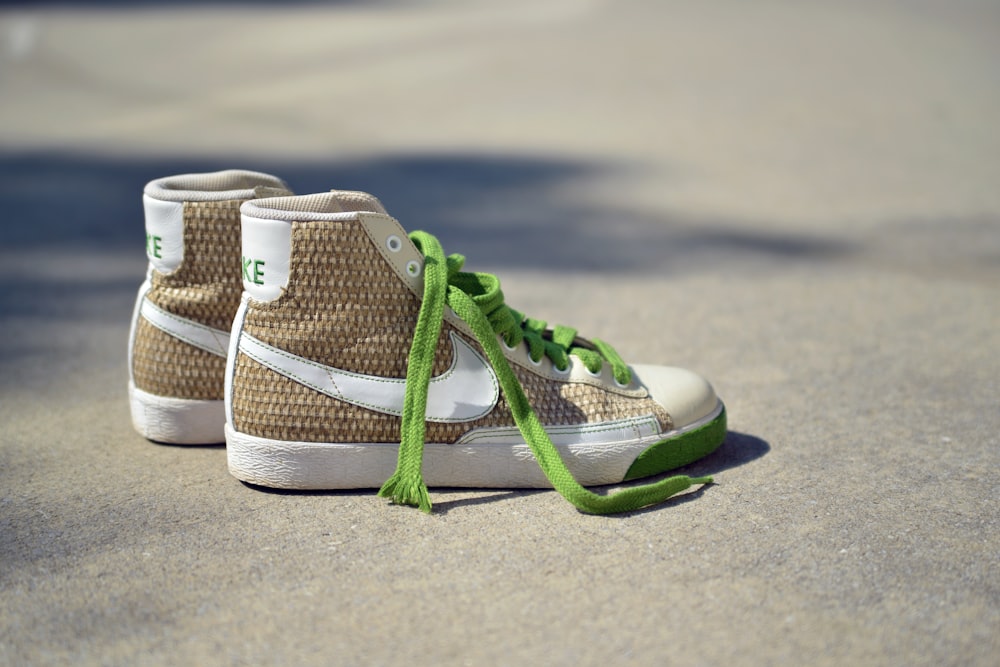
799, 200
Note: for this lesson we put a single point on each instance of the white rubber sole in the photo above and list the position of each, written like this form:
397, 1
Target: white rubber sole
315, 465
177, 421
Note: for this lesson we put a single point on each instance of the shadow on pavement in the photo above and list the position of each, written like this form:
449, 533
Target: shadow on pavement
511, 211
71, 248
439, 495
738, 449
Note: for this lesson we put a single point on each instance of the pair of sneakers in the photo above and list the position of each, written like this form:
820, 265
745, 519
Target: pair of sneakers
329, 349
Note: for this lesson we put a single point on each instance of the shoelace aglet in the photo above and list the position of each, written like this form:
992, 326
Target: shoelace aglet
707, 479
407, 490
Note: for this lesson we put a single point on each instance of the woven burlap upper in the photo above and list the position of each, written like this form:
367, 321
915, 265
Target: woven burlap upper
205, 288
345, 307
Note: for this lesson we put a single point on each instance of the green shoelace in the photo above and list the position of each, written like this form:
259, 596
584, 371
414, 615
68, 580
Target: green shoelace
476, 298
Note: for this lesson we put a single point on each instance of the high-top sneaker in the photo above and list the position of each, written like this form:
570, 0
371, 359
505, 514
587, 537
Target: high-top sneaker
363, 357
185, 308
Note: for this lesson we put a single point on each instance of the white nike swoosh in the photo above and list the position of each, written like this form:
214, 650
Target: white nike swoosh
465, 392
194, 333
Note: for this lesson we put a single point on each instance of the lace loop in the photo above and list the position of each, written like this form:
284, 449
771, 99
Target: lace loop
477, 299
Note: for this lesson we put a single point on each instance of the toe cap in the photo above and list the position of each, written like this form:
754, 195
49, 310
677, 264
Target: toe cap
685, 395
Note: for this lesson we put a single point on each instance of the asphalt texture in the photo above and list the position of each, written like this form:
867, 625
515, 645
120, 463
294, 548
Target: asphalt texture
798, 200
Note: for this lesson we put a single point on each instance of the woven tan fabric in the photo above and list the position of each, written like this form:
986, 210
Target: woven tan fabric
342, 303
166, 366
345, 307
205, 288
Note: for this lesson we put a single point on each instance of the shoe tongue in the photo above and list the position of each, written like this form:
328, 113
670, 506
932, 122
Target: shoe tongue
349, 200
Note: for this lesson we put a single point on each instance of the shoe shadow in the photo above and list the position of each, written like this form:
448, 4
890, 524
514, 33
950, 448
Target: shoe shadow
441, 506
736, 450
482, 497
308, 492
180, 446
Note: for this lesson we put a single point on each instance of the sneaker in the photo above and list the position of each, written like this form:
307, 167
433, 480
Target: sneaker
185, 308
361, 354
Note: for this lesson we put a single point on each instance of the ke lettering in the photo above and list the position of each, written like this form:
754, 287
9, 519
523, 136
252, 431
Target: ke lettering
154, 246
253, 270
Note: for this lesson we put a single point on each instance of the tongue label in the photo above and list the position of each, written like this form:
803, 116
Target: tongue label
353, 200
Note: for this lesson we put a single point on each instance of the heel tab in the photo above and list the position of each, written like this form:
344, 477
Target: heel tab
267, 249
164, 233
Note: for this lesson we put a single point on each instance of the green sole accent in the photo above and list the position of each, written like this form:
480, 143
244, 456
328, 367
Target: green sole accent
679, 450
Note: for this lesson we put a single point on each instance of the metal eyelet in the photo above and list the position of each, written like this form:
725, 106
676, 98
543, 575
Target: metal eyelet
592, 373
509, 348
622, 386
565, 371
393, 243
534, 363
413, 268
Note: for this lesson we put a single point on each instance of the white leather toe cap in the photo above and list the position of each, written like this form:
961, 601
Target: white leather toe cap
687, 396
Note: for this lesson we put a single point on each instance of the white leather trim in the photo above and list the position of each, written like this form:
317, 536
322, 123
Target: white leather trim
465, 392
684, 394
267, 250
241, 314
193, 333
136, 313
631, 430
164, 233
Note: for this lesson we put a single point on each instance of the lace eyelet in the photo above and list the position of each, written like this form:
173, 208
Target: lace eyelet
592, 373
622, 386
564, 371
507, 347
393, 243
534, 363
413, 268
